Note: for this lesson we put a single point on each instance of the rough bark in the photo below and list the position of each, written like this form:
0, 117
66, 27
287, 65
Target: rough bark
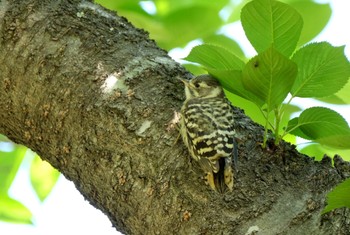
58, 64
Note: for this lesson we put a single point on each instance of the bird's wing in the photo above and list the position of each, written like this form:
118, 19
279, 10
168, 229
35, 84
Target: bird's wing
210, 133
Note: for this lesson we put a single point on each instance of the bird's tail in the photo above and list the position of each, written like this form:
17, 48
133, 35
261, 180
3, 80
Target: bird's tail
223, 179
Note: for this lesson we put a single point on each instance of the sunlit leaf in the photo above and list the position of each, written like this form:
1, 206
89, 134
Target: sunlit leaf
9, 165
195, 69
288, 111
215, 57
120, 4
341, 97
270, 77
339, 141
269, 22
323, 70
322, 125
43, 177
333, 99
293, 128
227, 43
314, 150
166, 7
318, 151
236, 10
338, 197
315, 16
14, 211
231, 80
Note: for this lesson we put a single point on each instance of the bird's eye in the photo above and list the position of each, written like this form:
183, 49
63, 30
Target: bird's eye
197, 85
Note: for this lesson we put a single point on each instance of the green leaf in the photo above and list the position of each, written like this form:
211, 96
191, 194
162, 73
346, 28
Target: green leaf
225, 42
188, 24
194, 69
231, 80
269, 22
223, 65
9, 165
253, 111
250, 108
341, 97
120, 4
315, 16
43, 177
339, 141
322, 125
323, 70
293, 128
164, 7
214, 57
269, 76
236, 10
344, 93
338, 197
288, 110
315, 150
14, 211
333, 99
318, 151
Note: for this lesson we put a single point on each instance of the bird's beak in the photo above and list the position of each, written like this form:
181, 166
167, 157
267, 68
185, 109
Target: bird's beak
185, 81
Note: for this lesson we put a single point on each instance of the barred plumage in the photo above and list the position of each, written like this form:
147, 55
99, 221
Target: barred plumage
207, 130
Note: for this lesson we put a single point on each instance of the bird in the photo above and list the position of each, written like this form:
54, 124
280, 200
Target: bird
206, 127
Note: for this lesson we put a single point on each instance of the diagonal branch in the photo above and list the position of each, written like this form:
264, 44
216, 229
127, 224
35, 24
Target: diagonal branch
93, 96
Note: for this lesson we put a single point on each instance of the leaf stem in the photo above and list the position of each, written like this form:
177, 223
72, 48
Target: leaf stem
265, 130
277, 125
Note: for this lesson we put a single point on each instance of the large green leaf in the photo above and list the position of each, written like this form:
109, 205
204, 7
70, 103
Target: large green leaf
323, 70
223, 65
294, 129
195, 69
227, 43
43, 177
339, 141
9, 165
269, 22
270, 77
231, 80
338, 197
214, 57
315, 16
14, 211
322, 125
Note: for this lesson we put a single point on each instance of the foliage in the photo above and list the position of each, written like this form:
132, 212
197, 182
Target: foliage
11, 210
174, 23
315, 70
43, 178
339, 197
274, 28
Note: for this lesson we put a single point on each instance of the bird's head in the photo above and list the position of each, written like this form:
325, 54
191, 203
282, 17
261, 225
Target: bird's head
203, 86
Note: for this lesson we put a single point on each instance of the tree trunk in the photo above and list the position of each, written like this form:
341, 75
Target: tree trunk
94, 97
